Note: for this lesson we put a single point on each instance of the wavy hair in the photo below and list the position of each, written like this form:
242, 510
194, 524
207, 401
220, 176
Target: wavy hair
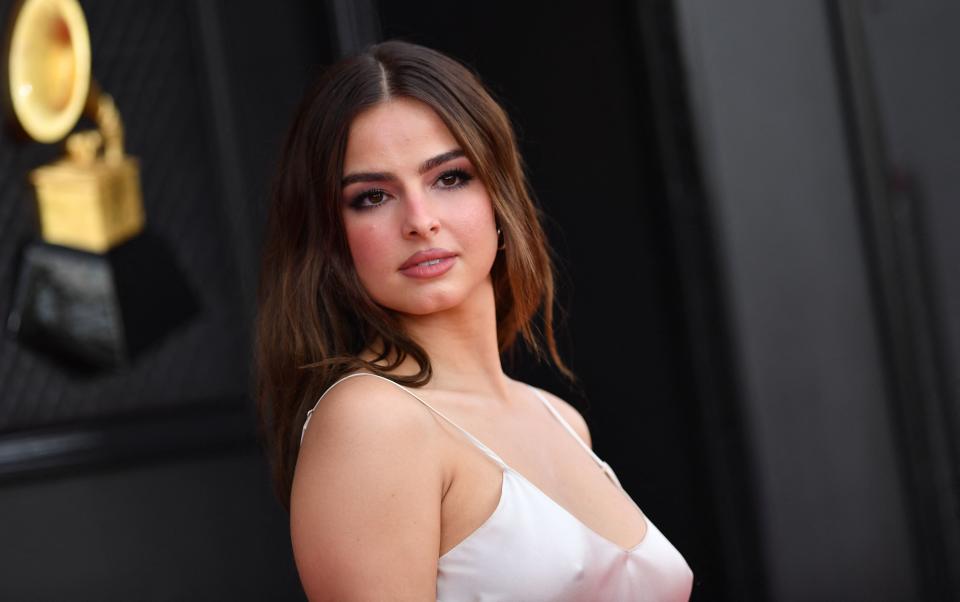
314, 316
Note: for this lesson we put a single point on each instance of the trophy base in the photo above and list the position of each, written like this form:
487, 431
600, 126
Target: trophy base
99, 310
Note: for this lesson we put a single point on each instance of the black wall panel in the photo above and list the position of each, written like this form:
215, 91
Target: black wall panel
145, 482
145, 55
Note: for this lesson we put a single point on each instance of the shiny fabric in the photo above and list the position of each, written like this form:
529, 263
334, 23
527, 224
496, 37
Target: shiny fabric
532, 549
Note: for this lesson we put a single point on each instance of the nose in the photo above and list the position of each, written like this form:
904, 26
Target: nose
419, 218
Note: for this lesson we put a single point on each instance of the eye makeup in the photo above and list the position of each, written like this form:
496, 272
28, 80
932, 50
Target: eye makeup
454, 178
372, 198
368, 199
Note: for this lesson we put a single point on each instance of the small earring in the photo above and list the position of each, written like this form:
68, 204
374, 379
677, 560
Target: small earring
501, 240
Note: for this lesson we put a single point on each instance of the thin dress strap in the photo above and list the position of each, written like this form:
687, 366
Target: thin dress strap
603, 465
486, 450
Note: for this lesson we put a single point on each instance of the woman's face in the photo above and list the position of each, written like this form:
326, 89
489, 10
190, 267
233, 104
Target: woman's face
418, 220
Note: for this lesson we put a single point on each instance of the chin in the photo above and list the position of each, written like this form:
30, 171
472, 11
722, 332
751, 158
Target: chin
427, 308
427, 304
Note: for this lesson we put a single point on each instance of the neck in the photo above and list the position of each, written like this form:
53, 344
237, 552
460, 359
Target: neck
462, 345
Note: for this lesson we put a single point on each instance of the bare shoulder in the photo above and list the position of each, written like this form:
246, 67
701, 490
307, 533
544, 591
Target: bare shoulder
361, 405
365, 503
570, 414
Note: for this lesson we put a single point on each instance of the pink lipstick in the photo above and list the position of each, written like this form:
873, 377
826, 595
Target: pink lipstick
429, 263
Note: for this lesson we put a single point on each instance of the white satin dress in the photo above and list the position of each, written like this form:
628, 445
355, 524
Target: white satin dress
531, 549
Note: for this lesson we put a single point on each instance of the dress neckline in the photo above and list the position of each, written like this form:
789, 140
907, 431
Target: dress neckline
505, 468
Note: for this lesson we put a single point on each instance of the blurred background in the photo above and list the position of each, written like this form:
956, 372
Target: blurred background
754, 207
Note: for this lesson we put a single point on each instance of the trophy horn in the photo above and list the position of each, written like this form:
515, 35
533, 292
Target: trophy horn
48, 68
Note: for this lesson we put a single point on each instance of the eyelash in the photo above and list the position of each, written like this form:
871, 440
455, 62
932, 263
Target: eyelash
359, 200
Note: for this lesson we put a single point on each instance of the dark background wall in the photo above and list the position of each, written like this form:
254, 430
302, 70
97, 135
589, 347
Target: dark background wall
837, 327
916, 93
205, 527
706, 204
772, 138
147, 482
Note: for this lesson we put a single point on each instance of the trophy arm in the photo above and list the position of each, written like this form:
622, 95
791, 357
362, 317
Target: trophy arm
103, 111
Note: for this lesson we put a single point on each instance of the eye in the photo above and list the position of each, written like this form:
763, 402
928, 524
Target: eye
369, 199
454, 178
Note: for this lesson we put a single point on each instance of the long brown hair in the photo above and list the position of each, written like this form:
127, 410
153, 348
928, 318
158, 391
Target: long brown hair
315, 317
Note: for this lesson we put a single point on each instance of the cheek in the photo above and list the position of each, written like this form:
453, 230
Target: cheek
482, 225
366, 248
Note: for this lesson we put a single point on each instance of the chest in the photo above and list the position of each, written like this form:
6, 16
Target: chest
530, 548
538, 449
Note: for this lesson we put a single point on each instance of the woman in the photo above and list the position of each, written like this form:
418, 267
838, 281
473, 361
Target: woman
403, 256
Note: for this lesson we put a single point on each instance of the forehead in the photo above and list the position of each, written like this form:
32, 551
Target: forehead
396, 133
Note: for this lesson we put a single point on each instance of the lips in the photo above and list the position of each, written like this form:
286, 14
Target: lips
428, 263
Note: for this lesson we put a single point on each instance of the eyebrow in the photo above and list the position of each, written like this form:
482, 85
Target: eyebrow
382, 176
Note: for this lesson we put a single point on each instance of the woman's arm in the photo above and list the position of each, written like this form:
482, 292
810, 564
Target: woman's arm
365, 505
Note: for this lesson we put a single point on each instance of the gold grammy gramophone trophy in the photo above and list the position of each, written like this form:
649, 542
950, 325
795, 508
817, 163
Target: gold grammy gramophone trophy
90, 199
87, 291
